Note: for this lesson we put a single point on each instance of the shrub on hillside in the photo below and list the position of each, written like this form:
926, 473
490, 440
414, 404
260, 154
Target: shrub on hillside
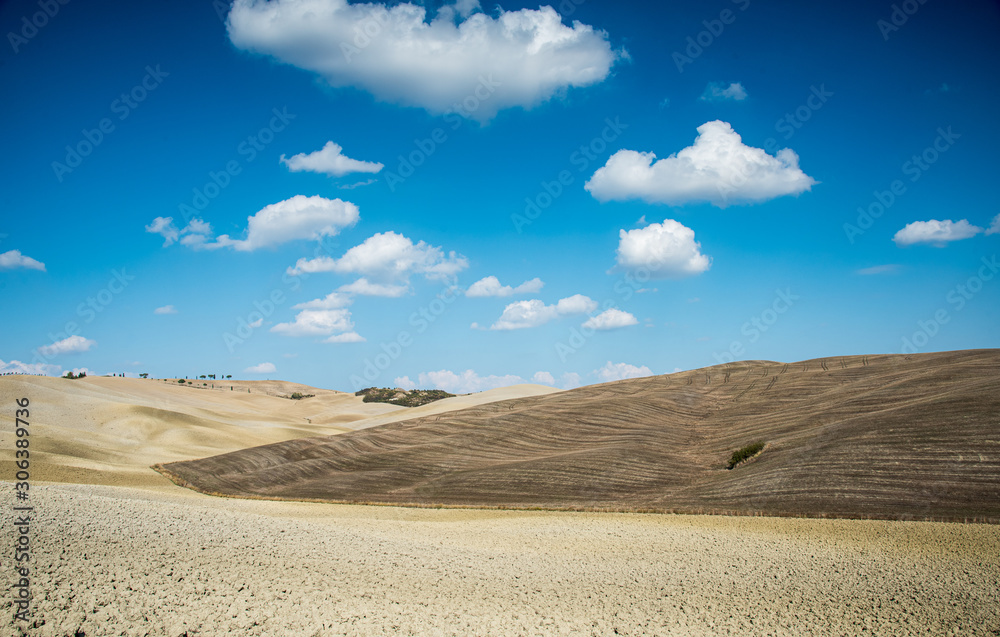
745, 453
401, 397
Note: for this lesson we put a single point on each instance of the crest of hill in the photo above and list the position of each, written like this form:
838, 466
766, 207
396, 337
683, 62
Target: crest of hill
109, 430
887, 436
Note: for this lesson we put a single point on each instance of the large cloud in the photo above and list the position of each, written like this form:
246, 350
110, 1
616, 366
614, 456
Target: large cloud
69, 345
936, 233
519, 58
719, 169
329, 160
490, 286
525, 314
388, 257
664, 250
13, 259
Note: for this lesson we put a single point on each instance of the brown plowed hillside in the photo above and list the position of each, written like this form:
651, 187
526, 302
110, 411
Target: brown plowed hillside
860, 436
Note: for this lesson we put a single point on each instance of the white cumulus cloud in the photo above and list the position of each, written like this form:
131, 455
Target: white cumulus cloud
69, 345
490, 286
466, 382
569, 380
388, 257
610, 319
544, 378
364, 287
327, 316
934, 232
164, 226
293, 219
532, 313
263, 368
620, 371
329, 160
447, 64
17, 367
317, 322
665, 250
719, 169
346, 337
194, 234
13, 259
718, 91
331, 301
994, 226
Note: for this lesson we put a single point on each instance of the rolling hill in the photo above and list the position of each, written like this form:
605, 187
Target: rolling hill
109, 430
886, 436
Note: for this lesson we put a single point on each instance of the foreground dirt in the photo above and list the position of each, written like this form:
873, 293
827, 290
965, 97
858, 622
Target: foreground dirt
122, 561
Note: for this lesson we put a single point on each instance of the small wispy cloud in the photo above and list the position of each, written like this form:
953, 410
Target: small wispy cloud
719, 92
13, 259
263, 368
329, 160
70, 345
890, 268
936, 233
367, 182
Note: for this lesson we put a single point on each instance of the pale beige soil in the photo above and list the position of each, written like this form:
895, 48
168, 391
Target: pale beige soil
120, 561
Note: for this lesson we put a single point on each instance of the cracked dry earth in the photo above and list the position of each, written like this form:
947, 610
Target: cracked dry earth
122, 561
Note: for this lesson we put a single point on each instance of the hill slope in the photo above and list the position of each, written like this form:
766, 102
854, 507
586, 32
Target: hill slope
109, 430
861, 436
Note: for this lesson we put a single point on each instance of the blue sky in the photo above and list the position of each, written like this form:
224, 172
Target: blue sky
321, 192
